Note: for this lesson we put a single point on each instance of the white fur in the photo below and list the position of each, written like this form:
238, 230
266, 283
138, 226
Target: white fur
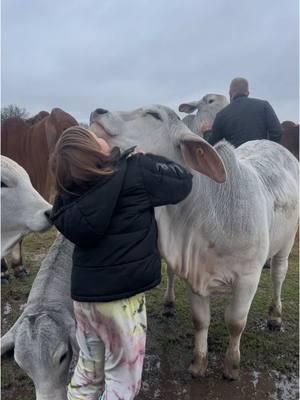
22, 207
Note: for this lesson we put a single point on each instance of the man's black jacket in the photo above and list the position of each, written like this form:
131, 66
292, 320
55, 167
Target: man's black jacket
114, 229
245, 119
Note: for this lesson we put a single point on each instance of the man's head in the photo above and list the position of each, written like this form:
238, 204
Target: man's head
238, 86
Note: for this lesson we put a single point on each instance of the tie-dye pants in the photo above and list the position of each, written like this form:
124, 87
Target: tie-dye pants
112, 338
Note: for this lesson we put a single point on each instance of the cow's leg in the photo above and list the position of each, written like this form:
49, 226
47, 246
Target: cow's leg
201, 319
279, 267
4, 271
16, 260
169, 298
235, 318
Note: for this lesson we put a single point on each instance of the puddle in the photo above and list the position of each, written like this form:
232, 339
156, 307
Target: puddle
7, 309
162, 382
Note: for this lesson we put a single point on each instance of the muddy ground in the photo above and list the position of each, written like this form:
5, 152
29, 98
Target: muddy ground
269, 364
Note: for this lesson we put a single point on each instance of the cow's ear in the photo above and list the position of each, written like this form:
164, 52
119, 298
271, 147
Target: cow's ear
202, 157
188, 107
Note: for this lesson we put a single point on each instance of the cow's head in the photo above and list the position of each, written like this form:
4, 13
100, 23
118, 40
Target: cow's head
207, 109
47, 337
22, 208
158, 129
43, 338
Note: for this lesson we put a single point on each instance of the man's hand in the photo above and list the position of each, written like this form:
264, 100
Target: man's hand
205, 126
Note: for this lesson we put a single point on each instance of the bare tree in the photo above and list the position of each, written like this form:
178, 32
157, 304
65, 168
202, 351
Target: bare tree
12, 110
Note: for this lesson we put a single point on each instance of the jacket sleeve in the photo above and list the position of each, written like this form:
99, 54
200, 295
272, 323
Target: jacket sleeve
273, 125
73, 224
217, 133
165, 181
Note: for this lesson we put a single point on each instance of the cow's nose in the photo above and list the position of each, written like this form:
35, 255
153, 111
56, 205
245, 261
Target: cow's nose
100, 111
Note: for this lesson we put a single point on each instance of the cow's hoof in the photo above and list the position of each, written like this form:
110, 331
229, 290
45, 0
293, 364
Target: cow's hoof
198, 367
20, 271
274, 324
232, 365
169, 309
232, 375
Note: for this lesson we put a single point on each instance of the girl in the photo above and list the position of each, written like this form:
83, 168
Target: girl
105, 206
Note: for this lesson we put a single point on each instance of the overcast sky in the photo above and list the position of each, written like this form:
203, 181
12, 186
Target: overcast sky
121, 54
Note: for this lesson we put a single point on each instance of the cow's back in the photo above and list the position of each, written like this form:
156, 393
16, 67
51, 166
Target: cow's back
277, 170
13, 134
38, 158
27, 145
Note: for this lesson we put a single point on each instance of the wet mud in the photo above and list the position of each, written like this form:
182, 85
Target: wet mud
163, 381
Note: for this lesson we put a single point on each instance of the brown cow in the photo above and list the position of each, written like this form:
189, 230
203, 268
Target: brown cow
36, 118
30, 143
290, 137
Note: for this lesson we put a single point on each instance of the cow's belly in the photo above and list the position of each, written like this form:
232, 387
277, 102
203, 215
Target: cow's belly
282, 231
214, 274
211, 262
208, 269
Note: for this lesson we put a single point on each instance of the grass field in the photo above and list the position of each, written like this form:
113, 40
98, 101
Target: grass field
269, 360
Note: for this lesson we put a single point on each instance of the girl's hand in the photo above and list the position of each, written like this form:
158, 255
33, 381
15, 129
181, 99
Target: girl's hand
138, 150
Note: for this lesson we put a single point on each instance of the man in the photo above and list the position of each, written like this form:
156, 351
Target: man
243, 119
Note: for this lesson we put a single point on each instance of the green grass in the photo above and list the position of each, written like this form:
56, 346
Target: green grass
172, 339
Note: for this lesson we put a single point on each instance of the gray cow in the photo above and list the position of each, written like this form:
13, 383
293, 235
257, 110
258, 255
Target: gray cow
207, 109
44, 335
220, 236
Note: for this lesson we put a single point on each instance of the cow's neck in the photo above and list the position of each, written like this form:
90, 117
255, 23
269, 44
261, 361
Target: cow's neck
52, 283
205, 217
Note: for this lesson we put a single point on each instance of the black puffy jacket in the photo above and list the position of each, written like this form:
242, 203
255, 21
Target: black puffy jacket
114, 229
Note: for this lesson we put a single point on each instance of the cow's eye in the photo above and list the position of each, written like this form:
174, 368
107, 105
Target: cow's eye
211, 101
63, 357
3, 184
154, 114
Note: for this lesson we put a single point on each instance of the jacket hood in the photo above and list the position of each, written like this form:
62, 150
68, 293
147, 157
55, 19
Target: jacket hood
93, 210
106, 185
